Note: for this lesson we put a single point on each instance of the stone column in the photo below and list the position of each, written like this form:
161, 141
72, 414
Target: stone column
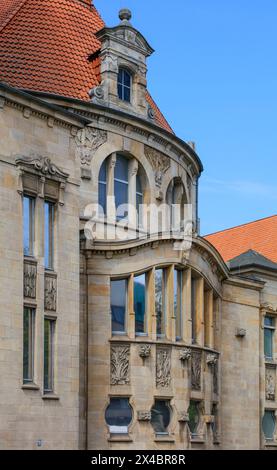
186, 307
151, 311
131, 323
208, 318
170, 318
111, 210
200, 311
132, 198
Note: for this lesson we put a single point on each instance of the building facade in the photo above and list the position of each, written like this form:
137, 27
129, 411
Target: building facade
114, 334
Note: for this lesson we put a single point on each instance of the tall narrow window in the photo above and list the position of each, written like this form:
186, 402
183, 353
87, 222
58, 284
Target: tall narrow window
178, 277
49, 209
160, 300
193, 310
139, 201
102, 187
269, 330
269, 425
28, 344
194, 417
118, 305
49, 335
140, 303
124, 85
28, 225
121, 186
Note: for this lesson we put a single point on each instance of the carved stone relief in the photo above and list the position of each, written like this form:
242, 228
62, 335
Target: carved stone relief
41, 164
185, 354
50, 293
120, 365
30, 280
270, 383
211, 359
160, 163
88, 140
183, 417
145, 350
196, 370
144, 415
163, 367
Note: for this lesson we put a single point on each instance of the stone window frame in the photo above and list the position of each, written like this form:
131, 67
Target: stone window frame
170, 429
51, 394
199, 436
121, 437
170, 320
269, 442
126, 69
30, 382
127, 279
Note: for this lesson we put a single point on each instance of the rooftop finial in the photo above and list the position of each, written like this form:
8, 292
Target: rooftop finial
125, 14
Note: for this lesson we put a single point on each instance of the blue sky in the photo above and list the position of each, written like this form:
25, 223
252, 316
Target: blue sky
214, 76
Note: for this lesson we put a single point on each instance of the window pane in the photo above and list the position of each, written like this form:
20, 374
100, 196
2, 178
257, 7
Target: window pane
119, 415
28, 345
178, 302
28, 225
160, 416
118, 305
121, 168
103, 172
139, 302
127, 79
269, 321
49, 326
269, 423
160, 301
268, 343
48, 234
194, 417
127, 94
121, 199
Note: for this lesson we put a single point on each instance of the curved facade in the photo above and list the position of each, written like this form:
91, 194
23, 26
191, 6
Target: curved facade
130, 332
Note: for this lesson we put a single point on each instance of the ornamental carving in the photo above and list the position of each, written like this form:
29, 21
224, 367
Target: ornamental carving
159, 162
185, 354
30, 280
50, 293
120, 365
43, 165
145, 350
88, 140
211, 359
144, 415
183, 417
163, 368
270, 383
196, 358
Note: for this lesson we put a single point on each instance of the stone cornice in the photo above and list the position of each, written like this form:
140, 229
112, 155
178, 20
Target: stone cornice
131, 126
212, 257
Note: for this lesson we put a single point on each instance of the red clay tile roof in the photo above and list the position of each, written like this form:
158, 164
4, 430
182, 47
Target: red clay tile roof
45, 45
260, 236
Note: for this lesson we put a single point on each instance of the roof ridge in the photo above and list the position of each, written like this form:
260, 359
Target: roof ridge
12, 14
240, 225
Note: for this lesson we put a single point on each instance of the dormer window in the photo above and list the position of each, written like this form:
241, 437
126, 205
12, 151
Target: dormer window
124, 85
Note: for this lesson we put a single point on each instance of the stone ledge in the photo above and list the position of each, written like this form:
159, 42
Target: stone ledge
30, 386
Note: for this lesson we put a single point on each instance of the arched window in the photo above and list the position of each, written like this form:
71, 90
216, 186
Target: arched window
176, 199
124, 85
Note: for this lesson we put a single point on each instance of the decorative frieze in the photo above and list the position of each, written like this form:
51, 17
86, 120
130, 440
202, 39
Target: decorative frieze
196, 359
270, 383
145, 351
30, 280
159, 162
50, 292
120, 364
163, 367
88, 140
185, 354
144, 416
